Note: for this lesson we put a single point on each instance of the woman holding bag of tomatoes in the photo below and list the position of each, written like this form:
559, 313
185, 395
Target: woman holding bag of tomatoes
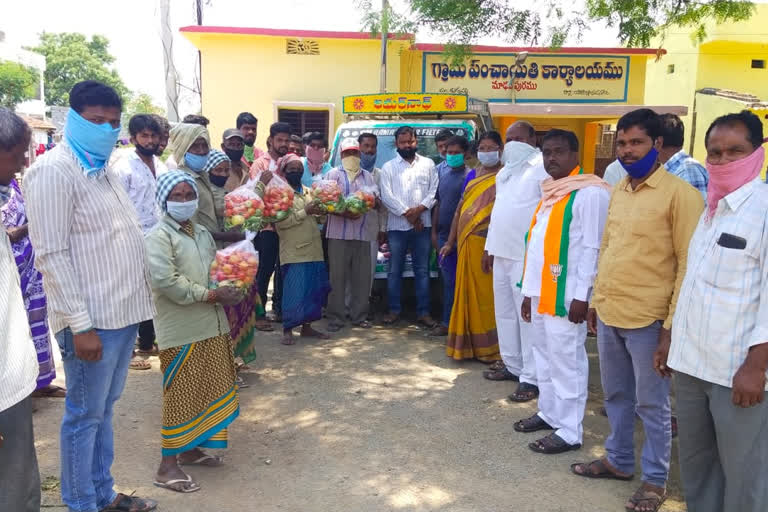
305, 277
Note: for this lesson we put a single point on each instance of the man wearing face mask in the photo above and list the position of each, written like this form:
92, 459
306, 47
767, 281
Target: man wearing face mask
138, 172
315, 166
90, 250
408, 188
377, 229
349, 243
233, 145
719, 348
451, 174
267, 242
248, 126
643, 258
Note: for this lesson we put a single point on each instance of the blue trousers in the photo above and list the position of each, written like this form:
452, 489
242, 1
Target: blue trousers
87, 440
420, 244
629, 385
449, 289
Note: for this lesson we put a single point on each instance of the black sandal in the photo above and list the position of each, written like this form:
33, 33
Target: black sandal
532, 424
125, 503
524, 393
552, 444
502, 374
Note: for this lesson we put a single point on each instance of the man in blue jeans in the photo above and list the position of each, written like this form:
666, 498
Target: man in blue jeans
451, 175
408, 187
90, 251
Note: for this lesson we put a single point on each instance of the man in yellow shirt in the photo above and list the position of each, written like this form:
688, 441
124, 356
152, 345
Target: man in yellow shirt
643, 255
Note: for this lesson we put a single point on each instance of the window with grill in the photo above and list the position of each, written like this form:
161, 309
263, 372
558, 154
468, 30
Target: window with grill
303, 121
758, 64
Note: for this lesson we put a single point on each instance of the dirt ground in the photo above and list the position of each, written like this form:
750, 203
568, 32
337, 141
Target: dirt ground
376, 420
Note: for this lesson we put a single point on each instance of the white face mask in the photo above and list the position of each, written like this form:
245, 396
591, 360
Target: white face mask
488, 158
182, 212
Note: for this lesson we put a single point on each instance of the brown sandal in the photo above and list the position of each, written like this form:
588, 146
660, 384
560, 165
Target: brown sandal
599, 468
497, 365
648, 497
390, 318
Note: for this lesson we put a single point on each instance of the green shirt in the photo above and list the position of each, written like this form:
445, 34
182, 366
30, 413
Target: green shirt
179, 267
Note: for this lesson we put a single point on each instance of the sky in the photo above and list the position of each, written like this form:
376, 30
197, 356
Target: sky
133, 29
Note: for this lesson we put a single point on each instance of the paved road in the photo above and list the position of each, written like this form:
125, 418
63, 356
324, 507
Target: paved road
370, 421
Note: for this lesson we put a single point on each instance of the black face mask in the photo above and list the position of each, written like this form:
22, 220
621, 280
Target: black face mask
407, 153
234, 154
219, 181
293, 179
144, 151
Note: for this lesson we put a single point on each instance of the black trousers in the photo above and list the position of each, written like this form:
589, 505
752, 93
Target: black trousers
19, 476
268, 245
146, 335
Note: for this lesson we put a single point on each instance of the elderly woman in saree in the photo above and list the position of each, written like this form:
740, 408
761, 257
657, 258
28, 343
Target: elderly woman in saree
305, 276
199, 391
472, 329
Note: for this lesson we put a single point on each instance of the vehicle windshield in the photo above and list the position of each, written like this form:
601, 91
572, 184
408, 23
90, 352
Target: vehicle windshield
386, 135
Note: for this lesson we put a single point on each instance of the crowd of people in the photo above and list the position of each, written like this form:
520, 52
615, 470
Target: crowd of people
664, 259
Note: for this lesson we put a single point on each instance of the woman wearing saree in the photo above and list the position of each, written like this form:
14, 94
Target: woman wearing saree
199, 391
190, 144
472, 329
15, 223
305, 275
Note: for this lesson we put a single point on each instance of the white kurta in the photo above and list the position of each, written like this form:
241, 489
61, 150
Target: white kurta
562, 367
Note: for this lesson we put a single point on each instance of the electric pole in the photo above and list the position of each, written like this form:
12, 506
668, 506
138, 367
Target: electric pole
171, 77
384, 39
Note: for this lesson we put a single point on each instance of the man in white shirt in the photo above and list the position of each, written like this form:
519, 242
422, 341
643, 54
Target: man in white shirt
19, 476
90, 251
138, 171
719, 346
559, 270
408, 188
518, 191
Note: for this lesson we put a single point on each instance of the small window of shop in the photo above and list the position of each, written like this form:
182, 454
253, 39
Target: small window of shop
758, 63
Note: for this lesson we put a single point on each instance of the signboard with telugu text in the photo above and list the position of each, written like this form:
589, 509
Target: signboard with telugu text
542, 78
405, 103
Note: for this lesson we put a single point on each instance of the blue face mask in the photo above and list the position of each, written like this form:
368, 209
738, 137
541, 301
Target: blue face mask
91, 143
181, 212
196, 162
367, 161
643, 166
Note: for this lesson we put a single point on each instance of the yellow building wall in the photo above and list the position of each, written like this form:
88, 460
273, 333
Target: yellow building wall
710, 107
250, 73
722, 61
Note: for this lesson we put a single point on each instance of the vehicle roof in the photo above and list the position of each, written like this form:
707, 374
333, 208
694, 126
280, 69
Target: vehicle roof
363, 123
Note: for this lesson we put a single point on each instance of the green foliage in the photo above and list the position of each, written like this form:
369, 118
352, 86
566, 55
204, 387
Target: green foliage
463, 22
17, 83
142, 103
71, 58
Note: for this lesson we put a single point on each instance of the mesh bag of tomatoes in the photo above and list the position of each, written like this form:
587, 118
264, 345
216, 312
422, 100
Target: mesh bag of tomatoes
360, 202
278, 199
243, 209
327, 194
235, 265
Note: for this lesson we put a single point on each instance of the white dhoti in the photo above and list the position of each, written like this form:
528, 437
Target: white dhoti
562, 368
515, 336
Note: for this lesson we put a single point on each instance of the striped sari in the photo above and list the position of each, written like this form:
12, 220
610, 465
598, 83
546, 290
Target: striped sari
13, 215
472, 330
199, 395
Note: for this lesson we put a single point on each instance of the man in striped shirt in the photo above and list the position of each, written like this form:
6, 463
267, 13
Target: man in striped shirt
349, 243
90, 250
719, 345
19, 476
408, 187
